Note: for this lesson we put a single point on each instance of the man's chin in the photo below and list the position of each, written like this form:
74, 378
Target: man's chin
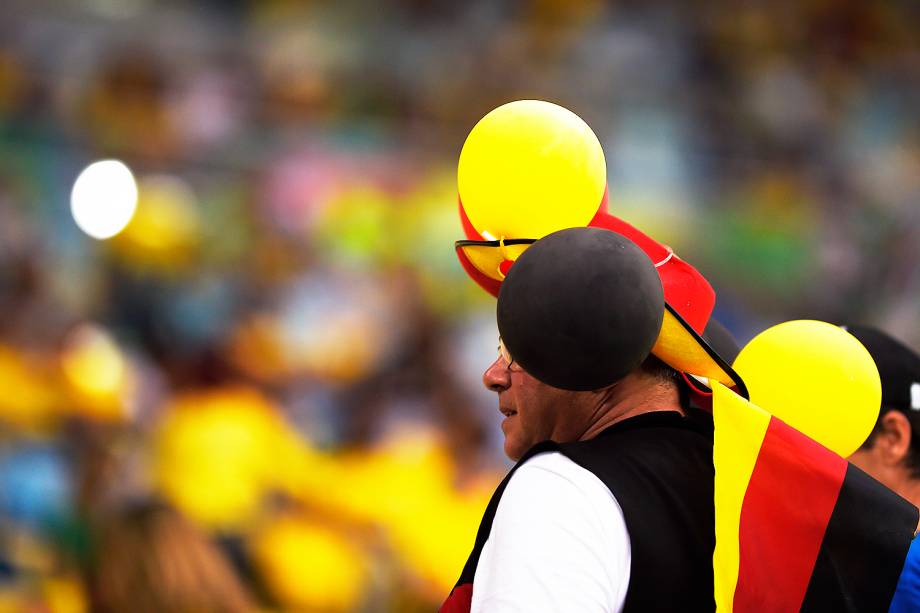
513, 449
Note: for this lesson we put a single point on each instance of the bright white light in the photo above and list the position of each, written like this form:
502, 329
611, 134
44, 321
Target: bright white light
104, 198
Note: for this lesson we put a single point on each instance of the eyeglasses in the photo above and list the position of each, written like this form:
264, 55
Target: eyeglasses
506, 356
488, 256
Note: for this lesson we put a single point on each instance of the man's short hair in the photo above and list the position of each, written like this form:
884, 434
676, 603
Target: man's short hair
659, 370
662, 373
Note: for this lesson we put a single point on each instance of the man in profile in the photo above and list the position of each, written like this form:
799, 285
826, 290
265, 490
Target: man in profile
891, 454
610, 506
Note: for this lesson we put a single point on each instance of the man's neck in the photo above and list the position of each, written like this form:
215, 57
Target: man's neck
909, 489
636, 394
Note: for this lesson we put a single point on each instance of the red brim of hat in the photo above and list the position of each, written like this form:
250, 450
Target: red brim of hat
685, 289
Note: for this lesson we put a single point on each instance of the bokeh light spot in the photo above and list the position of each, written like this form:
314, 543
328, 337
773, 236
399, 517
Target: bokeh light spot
104, 198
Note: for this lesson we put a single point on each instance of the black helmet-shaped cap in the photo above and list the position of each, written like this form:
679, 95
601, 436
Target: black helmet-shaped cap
581, 308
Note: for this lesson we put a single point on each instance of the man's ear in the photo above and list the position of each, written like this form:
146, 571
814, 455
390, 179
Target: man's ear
893, 439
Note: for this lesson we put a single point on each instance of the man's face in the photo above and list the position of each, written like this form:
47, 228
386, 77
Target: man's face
534, 412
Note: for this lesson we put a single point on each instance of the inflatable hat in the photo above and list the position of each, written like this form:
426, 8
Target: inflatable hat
530, 168
583, 307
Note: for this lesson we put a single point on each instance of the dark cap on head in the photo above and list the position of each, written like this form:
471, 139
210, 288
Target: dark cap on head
898, 367
581, 308
721, 340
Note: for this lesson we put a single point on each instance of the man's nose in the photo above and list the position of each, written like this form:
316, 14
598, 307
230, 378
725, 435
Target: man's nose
496, 377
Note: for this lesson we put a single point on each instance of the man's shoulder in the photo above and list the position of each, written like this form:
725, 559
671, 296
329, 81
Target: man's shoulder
630, 462
553, 470
557, 534
662, 453
551, 461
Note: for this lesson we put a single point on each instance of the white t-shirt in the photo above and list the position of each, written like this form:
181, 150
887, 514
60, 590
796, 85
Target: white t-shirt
558, 543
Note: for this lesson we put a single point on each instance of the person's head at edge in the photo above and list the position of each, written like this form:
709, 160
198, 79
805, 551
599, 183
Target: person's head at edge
574, 303
891, 454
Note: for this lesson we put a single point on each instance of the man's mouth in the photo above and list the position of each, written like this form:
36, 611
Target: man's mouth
507, 412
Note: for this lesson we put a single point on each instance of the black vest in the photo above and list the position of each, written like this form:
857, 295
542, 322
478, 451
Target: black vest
659, 467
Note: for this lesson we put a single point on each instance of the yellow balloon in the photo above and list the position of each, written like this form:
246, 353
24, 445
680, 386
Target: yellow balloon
817, 378
530, 168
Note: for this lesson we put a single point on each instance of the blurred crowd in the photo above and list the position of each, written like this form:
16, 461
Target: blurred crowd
265, 392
